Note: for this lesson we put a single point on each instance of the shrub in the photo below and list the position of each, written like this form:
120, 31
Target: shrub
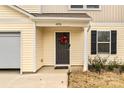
122, 68
121, 64
113, 64
97, 63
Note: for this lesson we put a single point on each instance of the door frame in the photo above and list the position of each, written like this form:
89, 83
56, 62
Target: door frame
55, 49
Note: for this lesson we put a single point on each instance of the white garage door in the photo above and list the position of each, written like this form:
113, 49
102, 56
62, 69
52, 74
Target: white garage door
9, 50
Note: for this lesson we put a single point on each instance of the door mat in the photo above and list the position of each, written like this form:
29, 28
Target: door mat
61, 67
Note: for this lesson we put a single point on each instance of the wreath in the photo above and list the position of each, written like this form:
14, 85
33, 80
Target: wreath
63, 39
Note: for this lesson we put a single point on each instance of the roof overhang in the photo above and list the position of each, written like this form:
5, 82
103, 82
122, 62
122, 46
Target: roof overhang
21, 10
62, 22
62, 19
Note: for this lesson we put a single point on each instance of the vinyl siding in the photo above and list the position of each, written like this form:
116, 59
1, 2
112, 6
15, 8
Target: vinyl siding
108, 13
77, 43
13, 21
120, 39
76, 50
31, 8
7, 12
39, 48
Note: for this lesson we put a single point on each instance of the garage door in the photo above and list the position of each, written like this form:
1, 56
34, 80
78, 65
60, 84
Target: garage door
9, 50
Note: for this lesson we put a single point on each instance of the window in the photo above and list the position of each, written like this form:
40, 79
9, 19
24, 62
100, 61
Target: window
84, 7
103, 41
92, 6
76, 6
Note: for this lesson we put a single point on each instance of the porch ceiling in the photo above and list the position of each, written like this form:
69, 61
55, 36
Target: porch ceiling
62, 19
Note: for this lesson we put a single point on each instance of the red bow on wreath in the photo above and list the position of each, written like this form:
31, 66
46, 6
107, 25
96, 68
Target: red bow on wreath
63, 39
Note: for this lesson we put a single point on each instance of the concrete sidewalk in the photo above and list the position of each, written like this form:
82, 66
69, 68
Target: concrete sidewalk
45, 78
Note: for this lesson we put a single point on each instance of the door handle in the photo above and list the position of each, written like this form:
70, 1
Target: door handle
69, 45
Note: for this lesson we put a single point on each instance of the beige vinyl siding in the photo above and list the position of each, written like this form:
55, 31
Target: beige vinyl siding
108, 13
120, 41
27, 44
54, 9
39, 48
7, 12
48, 45
76, 41
13, 21
31, 8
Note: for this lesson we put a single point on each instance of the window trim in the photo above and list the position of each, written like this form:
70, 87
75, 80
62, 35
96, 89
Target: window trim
103, 42
84, 8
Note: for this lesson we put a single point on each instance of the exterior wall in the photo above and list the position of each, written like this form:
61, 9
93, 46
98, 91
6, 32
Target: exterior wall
31, 8
39, 48
120, 39
108, 13
76, 49
77, 41
13, 21
7, 12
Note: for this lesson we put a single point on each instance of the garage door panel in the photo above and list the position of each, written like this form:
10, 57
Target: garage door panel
9, 50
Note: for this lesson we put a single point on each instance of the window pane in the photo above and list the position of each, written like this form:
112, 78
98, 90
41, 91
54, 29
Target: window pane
92, 6
103, 47
103, 36
76, 6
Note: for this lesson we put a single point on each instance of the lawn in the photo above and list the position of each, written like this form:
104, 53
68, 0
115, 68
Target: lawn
94, 80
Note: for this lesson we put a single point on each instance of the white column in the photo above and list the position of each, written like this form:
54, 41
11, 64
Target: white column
85, 49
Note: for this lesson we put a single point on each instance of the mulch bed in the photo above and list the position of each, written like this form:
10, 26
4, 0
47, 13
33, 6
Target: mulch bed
94, 80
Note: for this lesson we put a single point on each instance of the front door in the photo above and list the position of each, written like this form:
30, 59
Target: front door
62, 48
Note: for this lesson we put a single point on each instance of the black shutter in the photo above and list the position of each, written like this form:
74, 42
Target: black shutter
93, 41
113, 42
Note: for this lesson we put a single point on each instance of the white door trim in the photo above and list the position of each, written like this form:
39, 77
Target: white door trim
55, 49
